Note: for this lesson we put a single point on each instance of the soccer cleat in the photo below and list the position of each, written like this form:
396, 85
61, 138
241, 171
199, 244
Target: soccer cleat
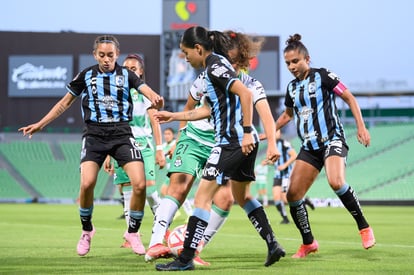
157, 251
285, 221
198, 261
306, 249
175, 265
367, 236
135, 241
309, 203
126, 244
84, 243
275, 254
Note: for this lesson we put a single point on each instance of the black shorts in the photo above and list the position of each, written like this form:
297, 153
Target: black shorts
277, 182
228, 162
317, 158
114, 139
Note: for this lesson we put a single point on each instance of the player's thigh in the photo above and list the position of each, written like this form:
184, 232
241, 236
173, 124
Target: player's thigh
335, 171
135, 172
180, 185
88, 174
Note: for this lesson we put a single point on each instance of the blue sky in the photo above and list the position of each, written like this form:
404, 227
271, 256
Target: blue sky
368, 43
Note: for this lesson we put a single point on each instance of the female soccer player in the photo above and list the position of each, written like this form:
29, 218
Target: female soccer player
107, 109
310, 100
234, 154
146, 131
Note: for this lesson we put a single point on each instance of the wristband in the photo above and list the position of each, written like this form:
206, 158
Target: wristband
247, 129
159, 147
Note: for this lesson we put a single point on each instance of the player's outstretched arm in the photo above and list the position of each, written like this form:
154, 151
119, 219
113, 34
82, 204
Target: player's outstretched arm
60, 107
196, 114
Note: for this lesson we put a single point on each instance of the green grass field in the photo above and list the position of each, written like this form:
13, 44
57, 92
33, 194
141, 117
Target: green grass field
41, 239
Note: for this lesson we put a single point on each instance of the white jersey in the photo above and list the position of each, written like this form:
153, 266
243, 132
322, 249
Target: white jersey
140, 123
254, 86
200, 130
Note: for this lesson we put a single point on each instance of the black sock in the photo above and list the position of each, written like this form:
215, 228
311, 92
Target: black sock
195, 232
351, 203
282, 210
86, 223
260, 222
134, 225
279, 208
300, 217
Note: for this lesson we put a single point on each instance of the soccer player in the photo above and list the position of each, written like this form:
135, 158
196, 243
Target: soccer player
261, 171
234, 154
283, 167
200, 135
107, 110
146, 131
310, 100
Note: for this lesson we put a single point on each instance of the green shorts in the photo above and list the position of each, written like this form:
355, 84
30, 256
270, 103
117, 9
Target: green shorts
148, 155
189, 156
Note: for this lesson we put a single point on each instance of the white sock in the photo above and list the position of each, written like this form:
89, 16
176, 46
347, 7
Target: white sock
188, 207
215, 222
127, 201
154, 201
265, 200
162, 219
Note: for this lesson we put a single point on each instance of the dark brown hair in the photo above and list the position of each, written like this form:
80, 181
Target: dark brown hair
294, 43
106, 39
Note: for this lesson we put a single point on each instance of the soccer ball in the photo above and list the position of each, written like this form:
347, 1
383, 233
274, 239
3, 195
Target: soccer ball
176, 240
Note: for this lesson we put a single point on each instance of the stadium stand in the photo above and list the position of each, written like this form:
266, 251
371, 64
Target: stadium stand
10, 188
383, 171
52, 178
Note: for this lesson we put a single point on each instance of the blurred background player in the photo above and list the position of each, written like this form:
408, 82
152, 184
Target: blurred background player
261, 171
283, 166
147, 133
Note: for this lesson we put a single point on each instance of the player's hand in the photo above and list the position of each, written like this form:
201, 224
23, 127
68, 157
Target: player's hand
163, 116
364, 137
247, 143
262, 136
157, 102
160, 158
30, 129
272, 152
108, 166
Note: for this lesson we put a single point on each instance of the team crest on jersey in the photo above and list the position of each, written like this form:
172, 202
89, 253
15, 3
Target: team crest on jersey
178, 162
119, 80
134, 95
312, 88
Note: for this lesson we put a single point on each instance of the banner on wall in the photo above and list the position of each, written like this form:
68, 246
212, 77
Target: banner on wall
39, 75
